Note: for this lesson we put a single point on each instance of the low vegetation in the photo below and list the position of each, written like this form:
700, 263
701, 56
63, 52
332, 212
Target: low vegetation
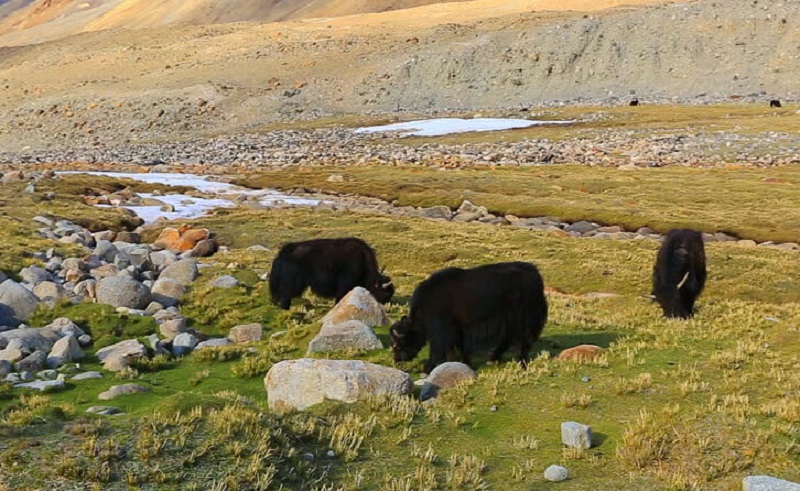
692, 404
755, 204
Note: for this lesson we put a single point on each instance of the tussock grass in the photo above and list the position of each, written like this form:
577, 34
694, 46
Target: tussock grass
733, 200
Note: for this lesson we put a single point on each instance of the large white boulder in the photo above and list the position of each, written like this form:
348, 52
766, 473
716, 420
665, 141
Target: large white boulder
299, 384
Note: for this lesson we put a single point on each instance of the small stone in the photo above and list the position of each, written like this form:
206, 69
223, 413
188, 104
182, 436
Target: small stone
586, 379
576, 435
331, 454
493, 409
104, 410
556, 473
246, 333
445, 376
87, 376
309, 456
47, 375
42, 385
119, 390
183, 344
583, 352
226, 281
213, 343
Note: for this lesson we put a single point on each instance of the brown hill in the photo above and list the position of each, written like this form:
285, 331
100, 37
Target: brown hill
34, 21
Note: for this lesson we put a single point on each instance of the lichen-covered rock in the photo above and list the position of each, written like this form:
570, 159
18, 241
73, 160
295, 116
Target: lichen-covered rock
338, 380
226, 281
183, 344
122, 291
17, 303
768, 483
445, 376
168, 292
556, 473
42, 385
183, 271
246, 333
65, 327
29, 338
122, 390
32, 363
64, 350
213, 343
119, 356
576, 435
347, 335
170, 328
358, 305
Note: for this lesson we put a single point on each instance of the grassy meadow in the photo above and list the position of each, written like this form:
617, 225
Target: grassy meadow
695, 404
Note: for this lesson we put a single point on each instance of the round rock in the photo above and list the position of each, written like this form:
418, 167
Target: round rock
122, 291
556, 473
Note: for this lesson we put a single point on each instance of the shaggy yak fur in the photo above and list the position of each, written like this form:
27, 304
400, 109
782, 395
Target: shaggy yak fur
463, 309
679, 274
331, 267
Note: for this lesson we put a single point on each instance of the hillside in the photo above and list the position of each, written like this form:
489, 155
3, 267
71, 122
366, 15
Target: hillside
120, 86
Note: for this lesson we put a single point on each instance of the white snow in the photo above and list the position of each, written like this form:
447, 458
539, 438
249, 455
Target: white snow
445, 126
191, 206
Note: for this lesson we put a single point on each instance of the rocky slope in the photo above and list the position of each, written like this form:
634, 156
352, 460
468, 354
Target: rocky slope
26, 21
131, 86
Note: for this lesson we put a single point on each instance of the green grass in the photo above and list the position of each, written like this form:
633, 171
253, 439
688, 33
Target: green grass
674, 404
756, 204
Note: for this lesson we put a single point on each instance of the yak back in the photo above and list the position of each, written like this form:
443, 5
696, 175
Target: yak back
483, 304
323, 263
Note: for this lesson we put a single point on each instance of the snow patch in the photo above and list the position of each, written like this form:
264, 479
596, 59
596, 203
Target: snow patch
446, 126
187, 207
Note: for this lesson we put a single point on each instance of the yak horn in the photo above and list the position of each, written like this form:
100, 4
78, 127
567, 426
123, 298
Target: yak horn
683, 281
386, 285
651, 297
397, 334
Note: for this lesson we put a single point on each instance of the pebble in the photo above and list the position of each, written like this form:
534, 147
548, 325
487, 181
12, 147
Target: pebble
556, 473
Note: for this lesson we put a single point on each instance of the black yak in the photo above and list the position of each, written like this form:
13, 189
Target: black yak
463, 309
331, 267
679, 274
634, 102
774, 103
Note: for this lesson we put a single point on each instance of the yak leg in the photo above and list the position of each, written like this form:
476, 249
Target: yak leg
500, 349
524, 352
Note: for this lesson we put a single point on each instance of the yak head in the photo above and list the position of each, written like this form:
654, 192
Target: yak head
406, 341
383, 288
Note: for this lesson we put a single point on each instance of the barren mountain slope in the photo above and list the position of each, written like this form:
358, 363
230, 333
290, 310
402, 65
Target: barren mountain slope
26, 21
111, 87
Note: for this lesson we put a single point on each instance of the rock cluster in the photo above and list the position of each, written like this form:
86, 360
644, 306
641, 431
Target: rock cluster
348, 326
344, 147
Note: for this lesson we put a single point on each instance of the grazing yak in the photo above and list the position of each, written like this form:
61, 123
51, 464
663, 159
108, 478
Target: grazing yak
331, 267
463, 309
775, 103
679, 274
